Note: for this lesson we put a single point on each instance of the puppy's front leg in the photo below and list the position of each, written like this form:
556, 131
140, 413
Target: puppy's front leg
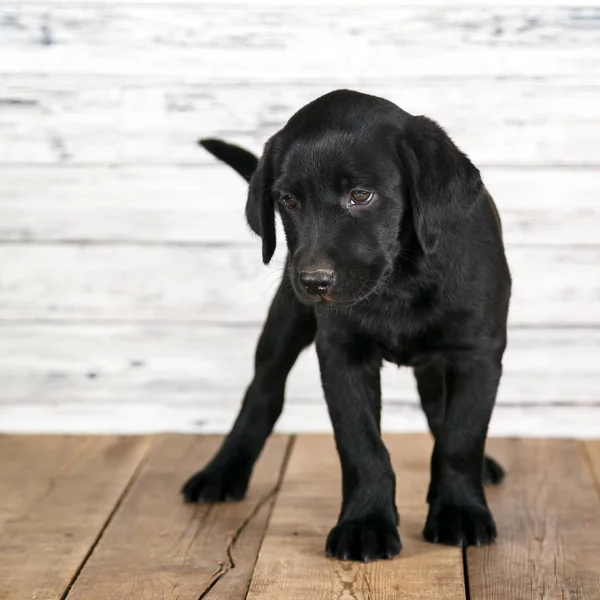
458, 512
290, 327
367, 528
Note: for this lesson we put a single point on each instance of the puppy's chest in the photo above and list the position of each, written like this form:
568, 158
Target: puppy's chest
402, 339
404, 351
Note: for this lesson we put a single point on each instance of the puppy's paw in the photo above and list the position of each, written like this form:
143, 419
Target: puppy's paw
492, 471
216, 485
366, 539
459, 525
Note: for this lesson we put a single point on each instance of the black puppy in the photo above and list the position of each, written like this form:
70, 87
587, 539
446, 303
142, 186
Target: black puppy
395, 253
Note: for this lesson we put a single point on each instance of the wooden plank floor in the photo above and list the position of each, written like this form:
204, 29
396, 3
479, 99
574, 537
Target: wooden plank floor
85, 518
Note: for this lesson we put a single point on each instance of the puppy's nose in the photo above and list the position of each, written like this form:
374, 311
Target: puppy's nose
317, 281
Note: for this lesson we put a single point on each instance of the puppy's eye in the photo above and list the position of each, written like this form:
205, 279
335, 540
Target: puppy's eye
290, 202
361, 197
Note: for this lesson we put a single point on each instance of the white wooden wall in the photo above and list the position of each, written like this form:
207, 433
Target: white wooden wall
131, 291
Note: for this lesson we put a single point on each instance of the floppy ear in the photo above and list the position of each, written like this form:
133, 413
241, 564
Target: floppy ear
260, 206
443, 183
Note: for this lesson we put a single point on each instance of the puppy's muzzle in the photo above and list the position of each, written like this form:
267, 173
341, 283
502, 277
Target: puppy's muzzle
317, 282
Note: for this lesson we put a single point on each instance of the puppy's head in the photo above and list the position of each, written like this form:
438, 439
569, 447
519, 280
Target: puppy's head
352, 176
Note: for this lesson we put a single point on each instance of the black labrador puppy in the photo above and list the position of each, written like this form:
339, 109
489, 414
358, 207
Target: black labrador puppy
395, 253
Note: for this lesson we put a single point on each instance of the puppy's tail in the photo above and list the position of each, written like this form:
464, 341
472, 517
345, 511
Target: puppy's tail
240, 160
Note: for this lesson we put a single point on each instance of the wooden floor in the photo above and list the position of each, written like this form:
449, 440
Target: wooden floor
85, 518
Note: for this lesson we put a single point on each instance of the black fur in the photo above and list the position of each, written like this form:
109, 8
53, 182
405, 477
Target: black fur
245, 162
417, 277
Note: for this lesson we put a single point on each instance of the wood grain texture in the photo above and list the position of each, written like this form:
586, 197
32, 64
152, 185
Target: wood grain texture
196, 365
81, 119
28, 466
548, 515
192, 204
176, 41
224, 284
158, 547
42, 548
591, 449
292, 562
154, 546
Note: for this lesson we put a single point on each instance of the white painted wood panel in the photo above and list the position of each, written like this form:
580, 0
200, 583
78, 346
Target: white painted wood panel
295, 44
193, 204
87, 119
123, 245
224, 284
433, 4
201, 365
116, 417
